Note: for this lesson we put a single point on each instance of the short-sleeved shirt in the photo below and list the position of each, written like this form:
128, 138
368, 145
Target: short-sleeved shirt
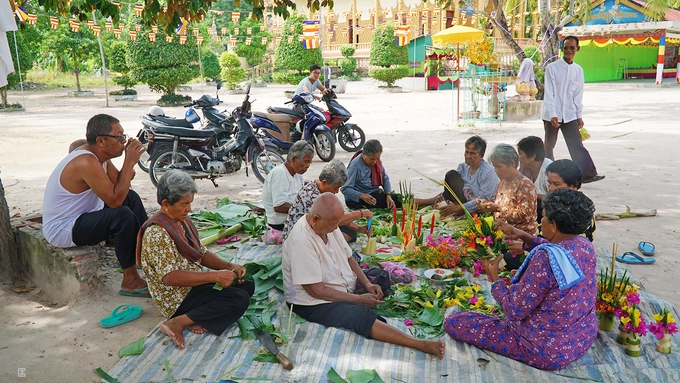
541, 182
159, 258
306, 81
482, 184
302, 205
308, 260
518, 204
279, 187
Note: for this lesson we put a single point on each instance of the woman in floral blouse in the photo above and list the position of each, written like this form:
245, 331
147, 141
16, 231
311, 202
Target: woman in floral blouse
170, 252
550, 303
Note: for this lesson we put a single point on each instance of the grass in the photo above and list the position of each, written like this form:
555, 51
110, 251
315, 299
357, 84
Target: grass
64, 80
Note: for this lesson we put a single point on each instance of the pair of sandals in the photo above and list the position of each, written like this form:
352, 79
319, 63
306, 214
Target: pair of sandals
646, 248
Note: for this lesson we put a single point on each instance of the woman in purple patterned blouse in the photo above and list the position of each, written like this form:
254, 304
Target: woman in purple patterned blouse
550, 303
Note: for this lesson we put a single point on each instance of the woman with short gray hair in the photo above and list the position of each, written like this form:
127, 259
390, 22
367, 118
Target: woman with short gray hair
332, 177
368, 184
171, 255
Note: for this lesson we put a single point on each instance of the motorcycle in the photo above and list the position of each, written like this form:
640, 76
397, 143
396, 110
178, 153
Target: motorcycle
280, 130
220, 123
350, 136
200, 152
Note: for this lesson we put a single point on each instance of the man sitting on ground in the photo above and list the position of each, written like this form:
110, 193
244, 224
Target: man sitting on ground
319, 276
283, 183
88, 200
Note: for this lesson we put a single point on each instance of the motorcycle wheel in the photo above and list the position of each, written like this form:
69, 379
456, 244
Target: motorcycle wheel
326, 147
264, 161
145, 158
351, 138
161, 161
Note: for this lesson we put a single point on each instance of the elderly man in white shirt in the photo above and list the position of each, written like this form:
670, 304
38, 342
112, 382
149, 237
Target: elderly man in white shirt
563, 108
319, 276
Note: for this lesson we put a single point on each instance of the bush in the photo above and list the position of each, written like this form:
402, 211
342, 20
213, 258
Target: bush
211, 65
388, 75
267, 77
118, 63
253, 53
26, 57
123, 92
288, 77
232, 73
347, 51
173, 100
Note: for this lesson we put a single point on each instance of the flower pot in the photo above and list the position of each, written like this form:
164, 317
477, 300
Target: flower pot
606, 322
623, 335
633, 344
664, 345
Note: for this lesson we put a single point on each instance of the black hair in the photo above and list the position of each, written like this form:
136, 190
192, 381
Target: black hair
478, 142
99, 125
532, 146
570, 37
568, 170
314, 67
372, 147
570, 210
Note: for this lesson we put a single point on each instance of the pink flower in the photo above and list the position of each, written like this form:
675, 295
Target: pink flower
620, 313
657, 329
633, 298
365, 265
408, 322
489, 240
672, 328
478, 268
474, 300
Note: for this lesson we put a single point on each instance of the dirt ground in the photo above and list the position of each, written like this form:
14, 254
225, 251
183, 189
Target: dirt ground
634, 142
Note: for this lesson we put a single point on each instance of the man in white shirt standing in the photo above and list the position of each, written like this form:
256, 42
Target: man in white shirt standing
563, 108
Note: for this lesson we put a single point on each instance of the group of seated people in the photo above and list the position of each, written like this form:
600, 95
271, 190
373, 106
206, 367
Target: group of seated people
88, 200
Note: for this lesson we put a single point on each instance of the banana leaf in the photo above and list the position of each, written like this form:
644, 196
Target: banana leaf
334, 377
364, 376
431, 316
134, 348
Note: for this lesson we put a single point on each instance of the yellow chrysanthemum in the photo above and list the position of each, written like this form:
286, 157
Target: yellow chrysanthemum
480, 303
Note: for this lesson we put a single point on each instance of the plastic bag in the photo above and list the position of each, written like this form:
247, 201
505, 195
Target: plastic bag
272, 236
584, 134
398, 274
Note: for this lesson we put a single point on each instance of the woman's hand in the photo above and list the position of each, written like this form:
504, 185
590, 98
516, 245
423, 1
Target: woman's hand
389, 201
224, 277
369, 300
491, 267
451, 209
375, 290
364, 230
516, 248
368, 199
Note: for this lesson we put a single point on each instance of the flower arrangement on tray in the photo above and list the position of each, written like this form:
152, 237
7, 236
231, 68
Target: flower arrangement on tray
481, 241
612, 294
634, 325
663, 328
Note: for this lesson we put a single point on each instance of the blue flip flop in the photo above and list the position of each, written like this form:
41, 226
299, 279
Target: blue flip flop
140, 293
121, 314
634, 259
647, 248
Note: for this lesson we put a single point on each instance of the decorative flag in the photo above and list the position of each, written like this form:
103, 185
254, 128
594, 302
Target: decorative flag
224, 31
168, 38
329, 36
138, 27
117, 32
249, 40
152, 37
218, 13
21, 13
249, 30
54, 22
424, 15
235, 16
116, 3
290, 39
32, 18
292, 28
121, 25
109, 26
199, 40
232, 41
196, 31
138, 9
264, 40
210, 30
133, 35
277, 40
237, 30
154, 28
310, 34
97, 30
402, 33
182, 39
182, 27
75, 27
218, 37
90, 23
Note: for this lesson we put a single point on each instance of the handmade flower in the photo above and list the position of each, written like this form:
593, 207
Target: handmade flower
408, 322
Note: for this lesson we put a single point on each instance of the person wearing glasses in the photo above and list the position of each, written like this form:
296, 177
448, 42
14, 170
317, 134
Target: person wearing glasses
311, 84
563, 108
88, 200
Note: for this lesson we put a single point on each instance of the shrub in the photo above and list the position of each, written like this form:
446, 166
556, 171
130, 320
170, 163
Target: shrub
173, 100
388, 75
286, 77
347, 51
211, 65
232, 73
293, 56
123, 92
388, 56
26, 56
118, 63
348, 64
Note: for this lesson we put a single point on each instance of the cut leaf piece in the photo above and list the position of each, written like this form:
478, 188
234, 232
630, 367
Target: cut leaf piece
134, 348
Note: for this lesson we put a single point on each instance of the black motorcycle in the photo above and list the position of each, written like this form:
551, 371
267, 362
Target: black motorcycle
200, 153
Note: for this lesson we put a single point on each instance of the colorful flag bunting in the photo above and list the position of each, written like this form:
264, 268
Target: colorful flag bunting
277, 40
138, 9
138, 27
109, 26
54, 22
152, 37
249, 30
237, 30
117, 32
235, 16
182, 39
249, 40
32, 18
75, 27
199, 40
182, 27
154, 28
402, 33
264, 40
168, 38
121, 25
224, 31
133, 35
90, 23
196, 31
97, 30
21, 13
290, 39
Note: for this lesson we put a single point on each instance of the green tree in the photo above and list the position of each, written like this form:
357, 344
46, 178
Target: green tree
232, 73
117, 62
387, 56
211, 64
291, 55
27, 54
348, 64
161, 65
254, 53
78, 47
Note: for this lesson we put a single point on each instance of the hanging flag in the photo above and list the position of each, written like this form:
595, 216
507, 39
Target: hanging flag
138, 27
237, 30
75, 27
182, 27
116, 3
32, 18
329, 36
218, 13
424, 15
54, 22
235, 16
199, 40
264, 40
210, 30
249, 30
310, 42
249, 40
290, 39
108, 25
232, 41
292, 28
182, 39
21, 13
133, 35
224, 31
138, 9
218, 37
196, 31
152, 37
277, 40
117, 32
168, 38
90, 23
121, 25
402, 33
154, 28
97, 30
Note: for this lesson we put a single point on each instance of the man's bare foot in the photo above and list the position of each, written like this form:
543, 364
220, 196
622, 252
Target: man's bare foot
196, 329
434, 347
174, 330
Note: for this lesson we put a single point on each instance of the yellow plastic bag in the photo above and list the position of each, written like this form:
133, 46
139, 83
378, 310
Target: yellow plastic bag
584, 134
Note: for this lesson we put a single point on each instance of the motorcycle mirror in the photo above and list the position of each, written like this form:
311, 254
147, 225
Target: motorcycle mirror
248, 89
333, 86
219, 85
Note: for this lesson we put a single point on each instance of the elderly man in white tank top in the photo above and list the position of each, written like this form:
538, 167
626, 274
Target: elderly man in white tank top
88, 200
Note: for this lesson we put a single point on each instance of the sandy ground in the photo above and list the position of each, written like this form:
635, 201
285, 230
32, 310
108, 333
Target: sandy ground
416, 129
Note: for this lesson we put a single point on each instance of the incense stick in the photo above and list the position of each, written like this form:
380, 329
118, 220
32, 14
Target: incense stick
615, 249
431, 179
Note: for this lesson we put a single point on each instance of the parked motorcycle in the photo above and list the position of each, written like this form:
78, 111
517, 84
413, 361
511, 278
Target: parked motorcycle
280, 130
200, 153
350, 136
213, 119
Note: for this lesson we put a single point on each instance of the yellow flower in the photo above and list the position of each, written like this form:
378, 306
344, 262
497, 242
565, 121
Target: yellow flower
625, 320
451, 302
439, 294
477, 288
479, 303
670, 318
429, 304
489, 221
658, 317
498, 234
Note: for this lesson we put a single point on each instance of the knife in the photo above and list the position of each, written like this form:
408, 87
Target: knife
266, 340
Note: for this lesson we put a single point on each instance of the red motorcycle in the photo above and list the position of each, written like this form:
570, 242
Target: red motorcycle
350, 136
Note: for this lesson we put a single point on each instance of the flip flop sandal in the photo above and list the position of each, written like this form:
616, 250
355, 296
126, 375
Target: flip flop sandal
647, 248
140, 293
121, 314
634, 259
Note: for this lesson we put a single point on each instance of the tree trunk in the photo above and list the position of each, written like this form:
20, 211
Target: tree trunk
3, 95
502, 24
10, 263
551, 50
76, 70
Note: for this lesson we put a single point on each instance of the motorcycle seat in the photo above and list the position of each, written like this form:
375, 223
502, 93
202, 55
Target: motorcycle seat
185, 132
288, 111
275, 118
177, 122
